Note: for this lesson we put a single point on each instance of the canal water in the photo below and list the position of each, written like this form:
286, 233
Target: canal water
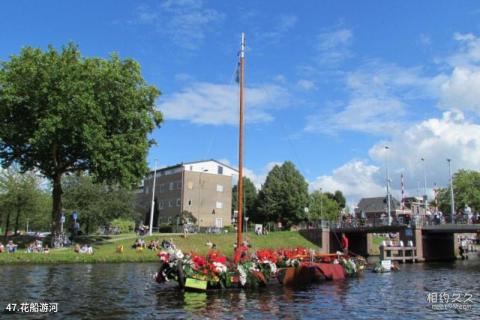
126, 291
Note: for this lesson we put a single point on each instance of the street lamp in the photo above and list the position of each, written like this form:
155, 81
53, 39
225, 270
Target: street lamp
425, 197
308, 216
150, 228
452, 212
388, 186
246, 225
321, 204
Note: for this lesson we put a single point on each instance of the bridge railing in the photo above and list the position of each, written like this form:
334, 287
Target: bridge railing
418, 221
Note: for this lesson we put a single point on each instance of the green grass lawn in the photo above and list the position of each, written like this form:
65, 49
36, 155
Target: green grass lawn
377, 241
105, 247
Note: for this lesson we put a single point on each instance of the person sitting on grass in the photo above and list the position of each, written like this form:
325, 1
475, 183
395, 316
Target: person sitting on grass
76, 249
11, 247
152, 245
139, 243
89, 249
84, 249
2, 248
31, 248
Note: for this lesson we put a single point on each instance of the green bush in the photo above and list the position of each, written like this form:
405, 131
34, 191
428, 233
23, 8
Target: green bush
124, 225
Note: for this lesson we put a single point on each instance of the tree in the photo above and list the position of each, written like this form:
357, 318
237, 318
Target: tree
284, 195
61, 113
466, 191
20, 197
340, 199
97, 204
323, 207
249, 197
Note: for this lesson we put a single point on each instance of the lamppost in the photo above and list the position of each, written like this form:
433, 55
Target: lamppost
425, 197
388, 186
452, 212
308, 216
150, 227
321, 205
246, 224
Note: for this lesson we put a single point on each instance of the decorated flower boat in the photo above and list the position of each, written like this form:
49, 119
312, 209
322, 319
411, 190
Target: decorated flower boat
290, 267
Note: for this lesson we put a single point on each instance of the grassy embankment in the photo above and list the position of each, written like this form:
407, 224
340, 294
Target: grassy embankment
105, 248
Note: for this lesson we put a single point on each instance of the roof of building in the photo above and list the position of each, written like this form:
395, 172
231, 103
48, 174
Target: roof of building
192, 162
377, 204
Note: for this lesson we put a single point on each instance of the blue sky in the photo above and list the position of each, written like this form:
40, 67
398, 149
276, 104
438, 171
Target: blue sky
329, 83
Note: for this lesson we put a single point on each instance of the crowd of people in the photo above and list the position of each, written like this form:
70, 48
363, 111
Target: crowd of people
37, 247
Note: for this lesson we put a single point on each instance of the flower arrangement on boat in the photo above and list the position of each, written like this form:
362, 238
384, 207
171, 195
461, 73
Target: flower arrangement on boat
251, 270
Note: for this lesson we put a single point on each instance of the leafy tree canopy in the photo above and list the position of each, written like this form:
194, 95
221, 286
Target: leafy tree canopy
323, 207
21, 199
97, 204
60, 113
284, 195
249, 197
466, 190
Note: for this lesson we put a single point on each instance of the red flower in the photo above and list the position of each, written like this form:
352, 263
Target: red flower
267, 255
164, 256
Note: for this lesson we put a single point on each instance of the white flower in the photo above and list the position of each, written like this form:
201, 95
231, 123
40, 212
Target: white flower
179, 254
220, 267
243, 274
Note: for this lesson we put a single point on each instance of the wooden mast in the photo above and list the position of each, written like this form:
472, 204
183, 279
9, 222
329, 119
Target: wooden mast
240, 150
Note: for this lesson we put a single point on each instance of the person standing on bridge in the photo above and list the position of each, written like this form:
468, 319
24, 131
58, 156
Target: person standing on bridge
345, 244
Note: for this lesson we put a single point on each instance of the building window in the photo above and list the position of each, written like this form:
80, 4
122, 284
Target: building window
219, 205
178, 185
170, 203
162, 188
146, 189
161, 204
219, 188
178, 202
190, 185
170, 186
220, 170
191, 168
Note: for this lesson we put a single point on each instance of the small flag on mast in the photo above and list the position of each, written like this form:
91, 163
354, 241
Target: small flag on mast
241, 54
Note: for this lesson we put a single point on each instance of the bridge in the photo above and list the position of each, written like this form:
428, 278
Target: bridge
432, 241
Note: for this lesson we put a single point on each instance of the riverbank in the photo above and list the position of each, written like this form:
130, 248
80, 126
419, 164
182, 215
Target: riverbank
105, 248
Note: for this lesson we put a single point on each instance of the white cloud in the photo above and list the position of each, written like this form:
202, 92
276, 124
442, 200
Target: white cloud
461, 90
185, 22
376, 104
306, 85
281, 26
366, 114
356, 179
334, 46
217, 104
258, 178
435, 140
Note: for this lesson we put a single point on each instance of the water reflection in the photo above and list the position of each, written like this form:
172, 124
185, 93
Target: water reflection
126, 291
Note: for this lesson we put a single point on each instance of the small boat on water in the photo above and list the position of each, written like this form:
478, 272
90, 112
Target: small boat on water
250, 270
